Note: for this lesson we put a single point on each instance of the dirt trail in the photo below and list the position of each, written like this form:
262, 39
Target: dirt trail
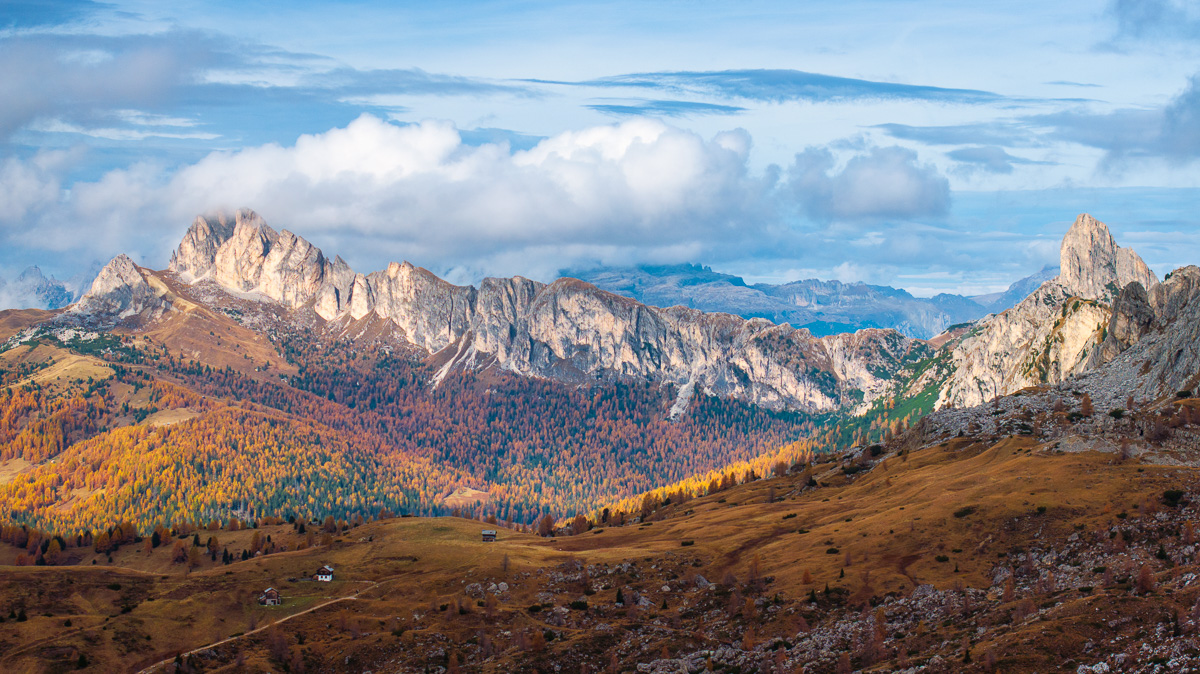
351, 597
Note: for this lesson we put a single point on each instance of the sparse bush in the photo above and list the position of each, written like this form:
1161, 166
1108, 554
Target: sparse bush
1145, 581
687, 543
964, 511
1157, 431
942, 558
1172, 497
1117, 413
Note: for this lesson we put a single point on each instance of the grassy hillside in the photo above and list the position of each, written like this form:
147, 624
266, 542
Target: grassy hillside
902, 562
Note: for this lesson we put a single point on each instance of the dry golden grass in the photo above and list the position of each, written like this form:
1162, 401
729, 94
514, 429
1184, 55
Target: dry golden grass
170, 417
465, 497
66, 369
12, 468
13, 321
893, 522
209, 337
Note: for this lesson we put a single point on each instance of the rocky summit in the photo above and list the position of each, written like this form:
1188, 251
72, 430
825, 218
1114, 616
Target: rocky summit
1057, 331
568, 330
1103, 301
1093, 266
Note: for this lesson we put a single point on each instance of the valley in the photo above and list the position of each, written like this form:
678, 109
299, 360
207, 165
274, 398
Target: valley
925, 542
673, 490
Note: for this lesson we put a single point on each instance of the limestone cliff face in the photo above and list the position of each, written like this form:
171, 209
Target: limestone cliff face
432, 312
1153, 344
568, 330
119, 292
243, 254
1166, 314
1092, 265
1055, 333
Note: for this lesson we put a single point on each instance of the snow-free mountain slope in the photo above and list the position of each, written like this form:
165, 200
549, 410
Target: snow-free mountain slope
568, 330
1056, 332
823, 307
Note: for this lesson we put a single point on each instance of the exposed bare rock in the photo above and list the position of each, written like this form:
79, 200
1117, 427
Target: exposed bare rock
1132, 317
119, 292
432, 312
245, 255
1166, 357
568, 330
1094, 266
197, 251
1056, 332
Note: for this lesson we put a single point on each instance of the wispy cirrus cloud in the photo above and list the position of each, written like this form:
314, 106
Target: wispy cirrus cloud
20, 14
1009, 133
1171, 132
778, 86
114, 86
660, 108
991, 158
346, 81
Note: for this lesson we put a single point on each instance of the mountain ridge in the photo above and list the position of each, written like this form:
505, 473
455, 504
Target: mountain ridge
823, 307
1054, 333
571, 330
567, 330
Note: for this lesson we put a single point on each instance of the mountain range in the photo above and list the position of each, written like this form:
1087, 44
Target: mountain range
529, 396
822, 307
33, 289
574, 332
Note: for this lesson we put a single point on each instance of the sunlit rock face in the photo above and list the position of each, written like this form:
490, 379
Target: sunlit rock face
1092, 265
1057, 331
567, 330
120, 291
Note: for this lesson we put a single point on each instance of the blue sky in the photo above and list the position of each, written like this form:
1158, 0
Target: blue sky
934, 146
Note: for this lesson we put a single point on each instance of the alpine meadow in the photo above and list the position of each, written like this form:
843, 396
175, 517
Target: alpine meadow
599, 337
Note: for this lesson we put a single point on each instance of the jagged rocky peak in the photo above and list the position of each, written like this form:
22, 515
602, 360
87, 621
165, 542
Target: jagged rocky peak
569, 330
1094, 266
197, 251
242, 253
119, 291
1049, 337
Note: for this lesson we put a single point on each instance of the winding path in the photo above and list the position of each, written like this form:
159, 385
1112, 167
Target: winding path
350, 597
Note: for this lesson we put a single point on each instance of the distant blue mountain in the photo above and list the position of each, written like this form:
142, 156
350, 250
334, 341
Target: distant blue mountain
823, 307
32, 289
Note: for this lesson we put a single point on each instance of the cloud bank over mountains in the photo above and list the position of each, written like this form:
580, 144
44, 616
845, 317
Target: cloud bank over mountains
376, 191
484, 142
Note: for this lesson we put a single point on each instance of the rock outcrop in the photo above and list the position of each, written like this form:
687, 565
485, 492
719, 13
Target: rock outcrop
1093, 266
1057, 332
568, 330
1156, 351
120, 292
244, 255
